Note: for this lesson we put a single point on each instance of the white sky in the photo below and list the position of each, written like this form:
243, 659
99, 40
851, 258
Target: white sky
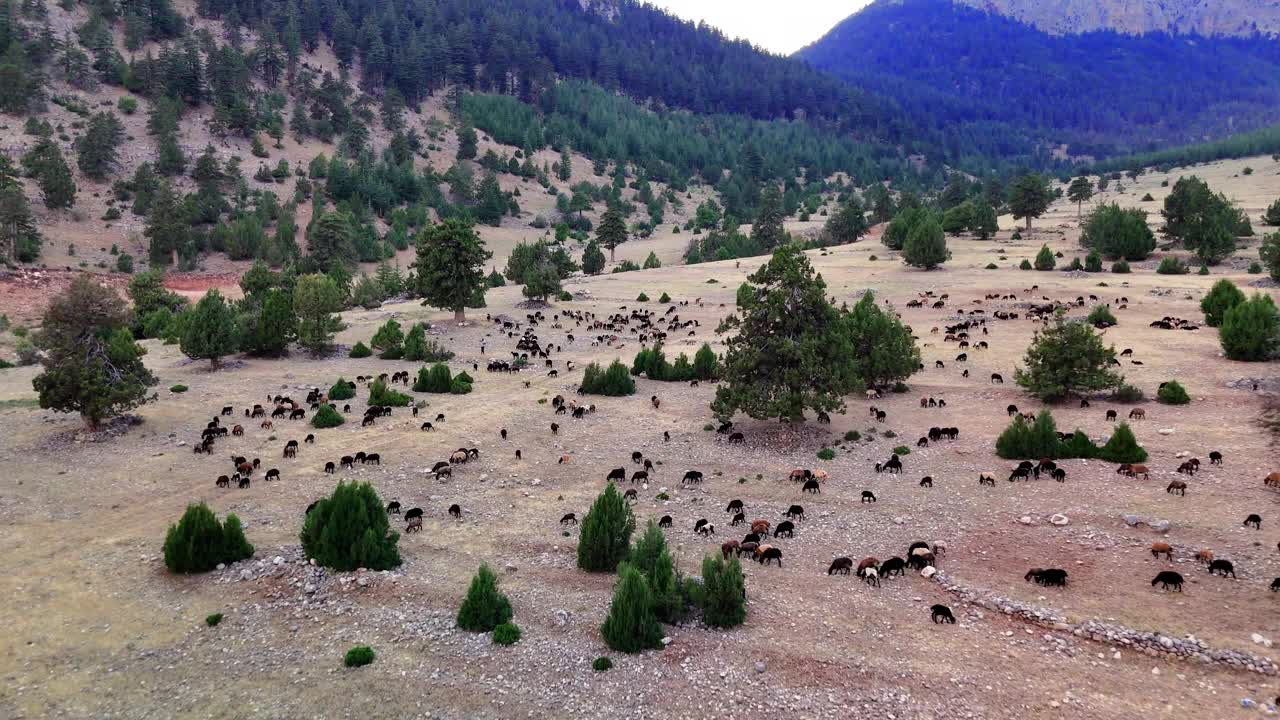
782, 26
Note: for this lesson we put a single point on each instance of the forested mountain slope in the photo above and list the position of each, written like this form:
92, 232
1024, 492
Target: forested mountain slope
1104, 93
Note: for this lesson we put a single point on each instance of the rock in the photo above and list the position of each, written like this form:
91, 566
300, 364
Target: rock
221, 566
1131, 520
1165, 431
510, 568
277, 560
1025, 519
929, 572
560, 618
1059, 519
666, 641
1160, 525
760, 666
1155, 671
1260, 640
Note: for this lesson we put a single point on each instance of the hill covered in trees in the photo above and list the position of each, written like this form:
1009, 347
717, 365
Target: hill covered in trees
1103, 92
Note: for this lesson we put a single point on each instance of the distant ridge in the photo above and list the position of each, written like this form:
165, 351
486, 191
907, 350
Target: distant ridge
1210, 18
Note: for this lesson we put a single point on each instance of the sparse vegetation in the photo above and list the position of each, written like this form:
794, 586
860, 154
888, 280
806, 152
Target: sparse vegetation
1172, 393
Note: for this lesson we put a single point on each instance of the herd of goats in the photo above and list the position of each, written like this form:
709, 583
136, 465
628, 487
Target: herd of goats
648, 327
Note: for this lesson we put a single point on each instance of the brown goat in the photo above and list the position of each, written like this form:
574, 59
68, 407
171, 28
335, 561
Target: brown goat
760, 527
1162, 548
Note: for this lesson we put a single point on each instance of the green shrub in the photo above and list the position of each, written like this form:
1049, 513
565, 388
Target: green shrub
1075, 264
664, 299
342, 390
26, 352
435, 379
1022, 440
605, 537
213, 620
1172, 266
723, 596
626, 266
349, 530
826, 454
388, 340
360, 350
433, 351
506, 634
902, 450
642, 298
380, 394
631, 625
1204, 270
651, 557
358, 656
485, 607
1255, 268
1128, 394
124, 263
1120, 267
1025, 264
1148, 198
614, 382
198, 543
601, 664
1093, 262
565, 296
1172, 393
1100, 316
457, 387
1122, 447
992, 266
853, 436
1251, 331
327, 417
1045, 259
1223, 296
178, 388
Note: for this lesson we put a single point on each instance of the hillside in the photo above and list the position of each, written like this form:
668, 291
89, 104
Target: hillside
1137, 17
1101, 93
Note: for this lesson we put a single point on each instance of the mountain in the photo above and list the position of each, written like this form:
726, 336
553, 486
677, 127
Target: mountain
1000, 83
1207, 18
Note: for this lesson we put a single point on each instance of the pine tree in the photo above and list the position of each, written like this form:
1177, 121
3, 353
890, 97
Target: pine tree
926, 245
789, 352
983, 222
606, 532
885, 347
210, 331
847, 225
724, 592
1251, 330
275, 326
449, 268
315, 300
1272, 215
199, 543
52, 174
19, 238
349, 530
96, 149
1029, 197
1045, 259
1269, 254
592, 259
631, 625
1122, 447
467, 142
1223, 296
650, 556
566, 165
1079, 192
91, 363
329, 240
767, 232
167, 228
388, 340
1066, 358
612, 231
485, 607
1118, 232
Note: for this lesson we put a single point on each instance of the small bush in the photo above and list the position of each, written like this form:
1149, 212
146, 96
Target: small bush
178, 389
213, 620
873, 258
484, 608
614, 382
506, 634
360, 350
342, 390
124, 263
435, 379
826, 454
1025, 264
198, 543
902, 450
853, 436
601, 664
642, 298
1172, 266
665, 298
1172, 393
631, 625
1045, 259
1100, 316
1120, 267
1148, 198
127, 105
458, 387
380, 394
111, 214
565, 296
723, 595
1255, 268
1204, 270
358, 656
1093, 262
1076, 264
349, 530
1122, 447
327, 417
605, 537
1128, 394
434, 352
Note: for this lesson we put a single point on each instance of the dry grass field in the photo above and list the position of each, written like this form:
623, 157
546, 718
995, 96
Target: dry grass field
96, 627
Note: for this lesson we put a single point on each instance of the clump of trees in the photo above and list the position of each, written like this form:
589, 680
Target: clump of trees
615, 381
1223, 296
199, 543
1023, 440
652, 363
1066, 358
926, 246
1205, 222
349, 530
